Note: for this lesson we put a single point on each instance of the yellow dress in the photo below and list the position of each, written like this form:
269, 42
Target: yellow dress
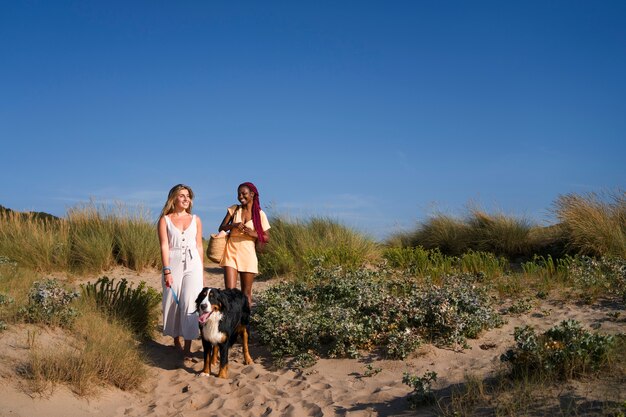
240, 252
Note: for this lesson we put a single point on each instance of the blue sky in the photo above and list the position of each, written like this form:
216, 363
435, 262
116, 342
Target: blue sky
376, 114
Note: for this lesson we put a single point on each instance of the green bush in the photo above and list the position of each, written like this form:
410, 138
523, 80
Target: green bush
132, 306
336, 313
594, 277
422, 388
49, 303
564, 351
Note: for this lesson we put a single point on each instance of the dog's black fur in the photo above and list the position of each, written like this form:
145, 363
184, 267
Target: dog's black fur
223, 316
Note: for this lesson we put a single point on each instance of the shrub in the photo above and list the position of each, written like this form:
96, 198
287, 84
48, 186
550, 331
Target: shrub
336, 313
564, 351
49, 303
132, 306
595, 224
598, 276
422, 388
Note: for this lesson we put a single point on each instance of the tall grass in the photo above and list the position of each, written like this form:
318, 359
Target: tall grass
41, 244
297, 246
449, 234
595, 223
500, 234
92, 238
136, 245
497, 233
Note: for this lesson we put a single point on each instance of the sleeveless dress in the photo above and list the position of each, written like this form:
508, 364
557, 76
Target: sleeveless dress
180, 319
240, 251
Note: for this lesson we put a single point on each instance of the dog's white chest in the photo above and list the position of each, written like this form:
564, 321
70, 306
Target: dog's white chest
210, 330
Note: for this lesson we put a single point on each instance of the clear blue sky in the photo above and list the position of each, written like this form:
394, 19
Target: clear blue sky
373, 113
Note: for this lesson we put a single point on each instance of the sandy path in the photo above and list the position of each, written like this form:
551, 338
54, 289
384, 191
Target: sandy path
331, 387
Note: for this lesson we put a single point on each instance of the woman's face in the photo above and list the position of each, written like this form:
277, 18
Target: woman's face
182, 200
244, 195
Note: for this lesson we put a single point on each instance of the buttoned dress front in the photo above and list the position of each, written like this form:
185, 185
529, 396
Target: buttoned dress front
180, 319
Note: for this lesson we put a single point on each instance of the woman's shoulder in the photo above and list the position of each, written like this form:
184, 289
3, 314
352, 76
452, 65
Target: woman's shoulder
232, 208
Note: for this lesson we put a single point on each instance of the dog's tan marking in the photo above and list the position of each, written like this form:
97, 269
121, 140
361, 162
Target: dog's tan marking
223, 372
243, 330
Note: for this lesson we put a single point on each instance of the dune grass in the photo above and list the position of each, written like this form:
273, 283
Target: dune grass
96, 352
298, 246
595, 223
92, 238
41, 244
479, 231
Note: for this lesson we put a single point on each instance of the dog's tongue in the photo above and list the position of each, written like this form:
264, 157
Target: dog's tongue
204, 317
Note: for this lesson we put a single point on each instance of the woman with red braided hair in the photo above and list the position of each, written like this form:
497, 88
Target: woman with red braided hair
247, 224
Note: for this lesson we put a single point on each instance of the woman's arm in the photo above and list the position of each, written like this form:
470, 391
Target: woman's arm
165, 250
227, 223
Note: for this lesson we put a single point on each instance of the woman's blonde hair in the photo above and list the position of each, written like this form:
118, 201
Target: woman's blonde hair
171, 196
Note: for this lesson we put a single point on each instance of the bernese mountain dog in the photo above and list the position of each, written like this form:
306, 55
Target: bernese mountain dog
223, 316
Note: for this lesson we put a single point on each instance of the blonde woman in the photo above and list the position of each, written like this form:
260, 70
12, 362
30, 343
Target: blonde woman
180, 236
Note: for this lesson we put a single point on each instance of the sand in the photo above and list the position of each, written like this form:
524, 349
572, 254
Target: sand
331, 387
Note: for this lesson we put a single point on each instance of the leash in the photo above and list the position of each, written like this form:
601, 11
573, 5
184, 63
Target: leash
174, 295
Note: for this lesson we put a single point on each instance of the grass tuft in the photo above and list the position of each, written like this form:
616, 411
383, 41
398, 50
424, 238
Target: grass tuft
595, 224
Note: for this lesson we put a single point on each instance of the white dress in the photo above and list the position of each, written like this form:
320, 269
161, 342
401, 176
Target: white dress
181, 319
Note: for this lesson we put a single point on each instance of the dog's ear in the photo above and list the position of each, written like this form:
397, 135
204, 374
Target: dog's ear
202, 294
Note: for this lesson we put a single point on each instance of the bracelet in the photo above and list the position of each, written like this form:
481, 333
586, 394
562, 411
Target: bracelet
167, 273
167, 268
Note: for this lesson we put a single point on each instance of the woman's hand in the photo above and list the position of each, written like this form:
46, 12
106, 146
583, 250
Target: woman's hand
250, 232
168, 280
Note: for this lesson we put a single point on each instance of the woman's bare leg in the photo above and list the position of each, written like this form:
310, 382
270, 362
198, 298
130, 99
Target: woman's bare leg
246, 285
230, 277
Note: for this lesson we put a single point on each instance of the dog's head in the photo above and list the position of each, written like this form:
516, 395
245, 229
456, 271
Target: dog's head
209, 301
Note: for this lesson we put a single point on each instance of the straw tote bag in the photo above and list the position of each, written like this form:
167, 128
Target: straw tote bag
217, 245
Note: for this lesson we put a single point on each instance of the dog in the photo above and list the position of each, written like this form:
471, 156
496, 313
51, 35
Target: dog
223, 315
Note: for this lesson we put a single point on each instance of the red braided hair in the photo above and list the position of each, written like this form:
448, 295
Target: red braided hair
256, 211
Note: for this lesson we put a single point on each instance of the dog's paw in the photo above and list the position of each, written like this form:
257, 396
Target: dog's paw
206, 374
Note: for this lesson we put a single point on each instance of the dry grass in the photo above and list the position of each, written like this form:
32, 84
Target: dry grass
99, 352
595, 224
478, 231
92, 238
40, 244
297, 246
